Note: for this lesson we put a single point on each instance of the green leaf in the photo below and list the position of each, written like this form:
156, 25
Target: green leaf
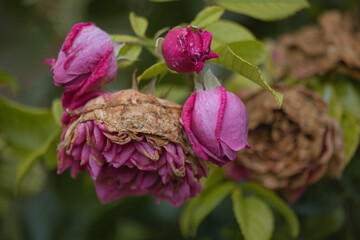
201, 206
225, 31
278, 204
253, 215
216, 176
207, 16
267, 10
232, 61
57, 110
251, 51
351, 131
152, 71
50, 155
26, 164
334, 107
348, 93
128, 49
186, 217
236, 82
171, 92
128, 54
9, 80
27, 131
138, 24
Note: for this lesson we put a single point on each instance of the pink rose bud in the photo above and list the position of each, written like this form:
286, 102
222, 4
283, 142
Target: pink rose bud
216, 124
86, 61
186, 49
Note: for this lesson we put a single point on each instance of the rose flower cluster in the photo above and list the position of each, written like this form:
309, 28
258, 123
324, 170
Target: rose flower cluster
135, 144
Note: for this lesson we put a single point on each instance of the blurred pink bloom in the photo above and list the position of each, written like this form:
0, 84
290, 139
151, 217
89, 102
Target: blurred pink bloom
186, 49
216, 123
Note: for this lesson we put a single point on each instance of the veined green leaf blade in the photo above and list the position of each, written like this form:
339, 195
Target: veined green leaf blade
278, 204
351, 134
267, 10
186, 217
232, 61
138, 24
57, 110
207, 16
153, 71
253, 215
225, 31
252, 51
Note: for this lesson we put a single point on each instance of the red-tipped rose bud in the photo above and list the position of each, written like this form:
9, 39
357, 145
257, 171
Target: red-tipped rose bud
186, 49
216, 123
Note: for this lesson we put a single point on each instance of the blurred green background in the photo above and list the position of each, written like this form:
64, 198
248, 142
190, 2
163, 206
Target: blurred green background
55, 206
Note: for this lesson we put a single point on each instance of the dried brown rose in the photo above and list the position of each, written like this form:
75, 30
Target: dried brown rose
333, 45
132, 144
292, 147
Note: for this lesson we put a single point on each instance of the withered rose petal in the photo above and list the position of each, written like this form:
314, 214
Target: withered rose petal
132, 144
292, 147
331, 46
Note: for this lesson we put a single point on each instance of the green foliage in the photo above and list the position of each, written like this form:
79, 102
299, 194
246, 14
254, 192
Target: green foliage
207, 16
278, 204
152, 71
225, 31
236, 82
198, 208
68, 208
138, 24
232, 61
348, 94
351, 132
129, 48
251, 51
9, 80
57, 111
253, 215
267, 10
28, 132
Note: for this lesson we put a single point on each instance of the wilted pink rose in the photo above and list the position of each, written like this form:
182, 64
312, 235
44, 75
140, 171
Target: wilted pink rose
216, 123
86, 60
132, 144
85, 63
186, 49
